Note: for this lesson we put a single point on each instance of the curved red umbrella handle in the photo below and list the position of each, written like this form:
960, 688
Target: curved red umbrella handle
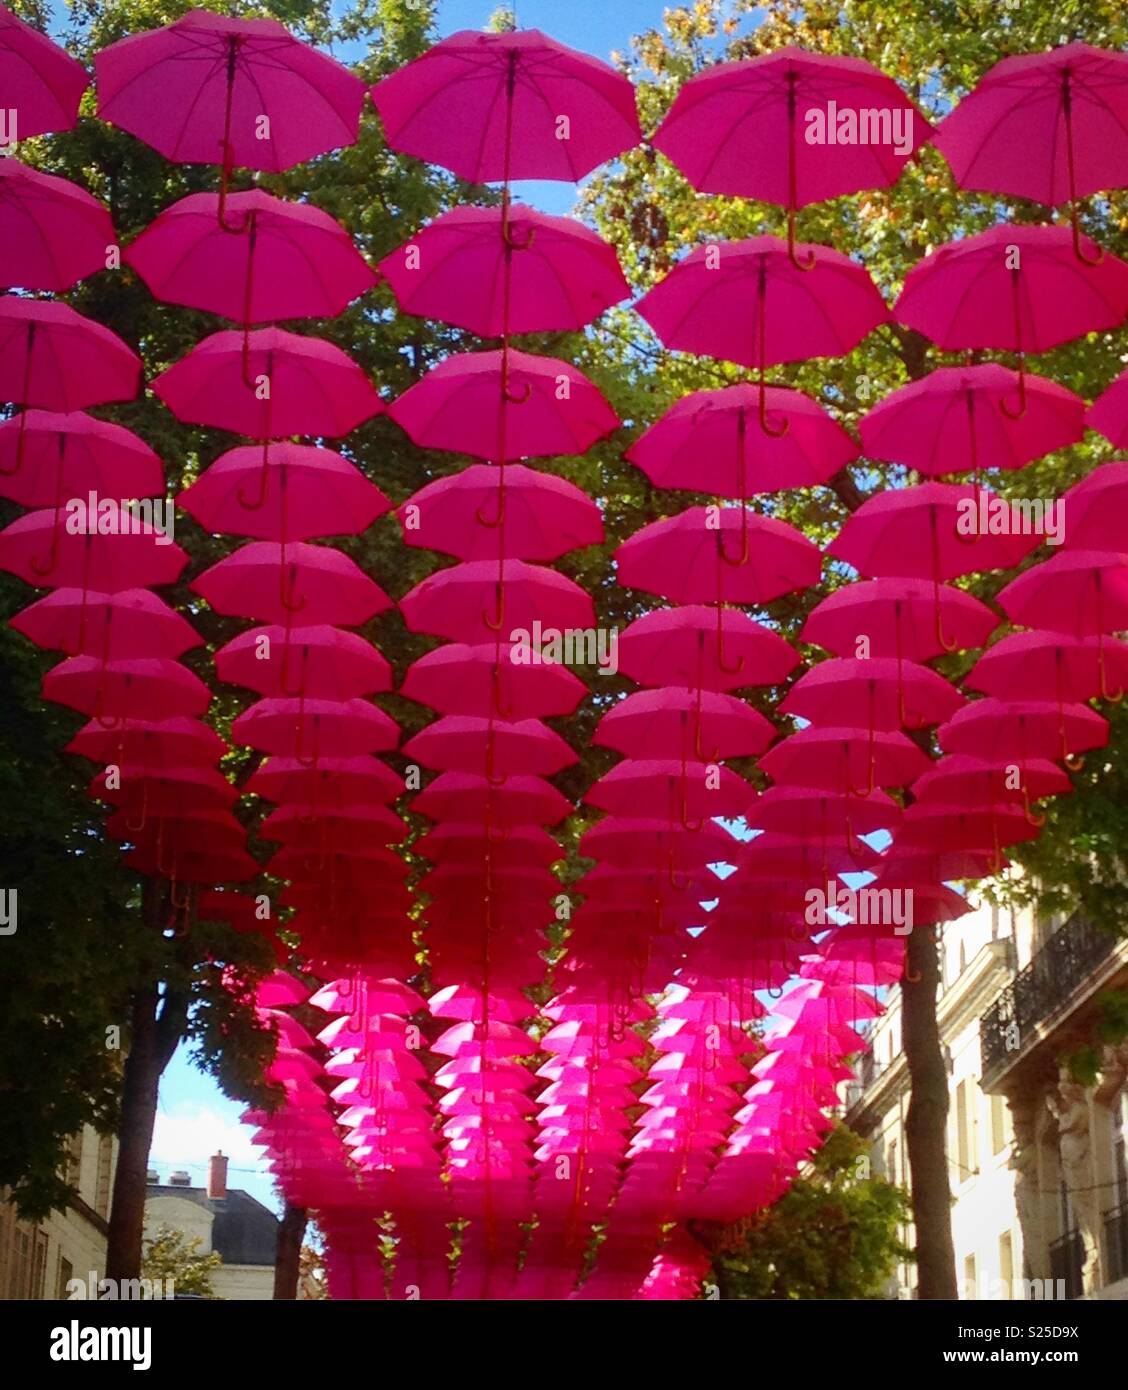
491, 758
135, 827
721, 662
282, 683
236, 228
793, 178
495, 620
116, 720
298, 756
1071, 165
1115, 696
723, 555
683, 809
287, 597
248, 298
1035, 818
762, 345
503, 713
264, 483
495, 521
851, 790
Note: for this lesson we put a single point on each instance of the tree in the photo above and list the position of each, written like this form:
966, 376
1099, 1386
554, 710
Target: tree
937, 50
834, 1233
172, 1257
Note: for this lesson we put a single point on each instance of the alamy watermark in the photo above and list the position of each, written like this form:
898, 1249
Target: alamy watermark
570, 646
108, 516
868, 907
987, 514
868, 125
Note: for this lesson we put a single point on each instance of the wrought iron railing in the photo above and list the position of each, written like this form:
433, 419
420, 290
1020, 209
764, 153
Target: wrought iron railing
1037, 991
1067, 1261
1116, 1243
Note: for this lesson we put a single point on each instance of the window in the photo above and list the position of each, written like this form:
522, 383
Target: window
1006, 1263
66, 1274
1120, 1147
893, 1162
965, 1155
970, 1290
1000, 1125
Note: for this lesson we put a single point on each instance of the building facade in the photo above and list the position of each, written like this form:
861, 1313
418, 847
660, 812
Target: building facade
38, 1259
1037, 1163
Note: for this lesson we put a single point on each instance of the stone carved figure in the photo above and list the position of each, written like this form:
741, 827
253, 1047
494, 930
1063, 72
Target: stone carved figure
1068, 1102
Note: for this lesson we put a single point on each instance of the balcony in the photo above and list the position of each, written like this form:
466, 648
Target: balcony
1067, 1260
1116, 1243
1066, 962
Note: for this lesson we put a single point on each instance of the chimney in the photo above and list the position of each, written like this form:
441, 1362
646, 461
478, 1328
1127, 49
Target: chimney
217, 1176
179, 1179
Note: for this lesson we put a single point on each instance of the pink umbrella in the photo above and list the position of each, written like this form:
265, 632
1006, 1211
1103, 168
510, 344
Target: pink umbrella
486, 680
707, 442
821, 815
130, 623
293, 261
842, 759
1109, 413
1052, 127
682, 789
54, 357
749, 302
898, 617
38, 549
1083, 592
311, 386
41, 82
46, 458
480, 597
1022, 729
132, 687
176, 741
497, 273
54, 232
470, 743
311, 729
953, 421
283, 492
710, 554
198, 90
504, 405
544, 517
872, 693
959, 779
294, 584
315, 660
1019, 288
683, 646
734, 128
1095, 508
1025, 665
487, 107
708, 726
335, 783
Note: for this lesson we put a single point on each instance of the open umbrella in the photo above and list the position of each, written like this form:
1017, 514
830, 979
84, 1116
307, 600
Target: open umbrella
294, 584
41, 82
470, 743
132, 687
1109, 412
129, 623
706, 725
54, 233
49, 457
479, 598
872, 693
745, 129
1032, 665
687, 646
1052, 127
485, 680
1096, 509
52, 356
42, 552
210, 89
898, 617
314, 660
310, 729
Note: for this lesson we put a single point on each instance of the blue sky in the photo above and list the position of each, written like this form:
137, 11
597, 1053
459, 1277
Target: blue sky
194, 1118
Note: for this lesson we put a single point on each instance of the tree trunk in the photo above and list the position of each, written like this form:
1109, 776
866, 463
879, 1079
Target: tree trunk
926, 1124
291, 1233
157, 1025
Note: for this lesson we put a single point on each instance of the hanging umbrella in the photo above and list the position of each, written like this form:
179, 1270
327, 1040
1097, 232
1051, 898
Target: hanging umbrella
1109, 412
1083, 592
1018, 288
476, 599
504, 405
52, 356
129, 623
496, 272
744, 129
682, 646
872, 693
209, 89
749, 302
842, 759
708, 441
710, 554
898, 617
315, 660
487, 680
283, 492
293, 262
656, 723
682, 789
1022, 729
291, 584
822, 815
960, 779
150, 743
1033, 665
42, 552
470, 743
1096, 507
133, 687
41, 82
487, 106
309, 730
54, 233
47, 457
955, 827
334, 783
953, 421
544, 518
1052, 127
276, 384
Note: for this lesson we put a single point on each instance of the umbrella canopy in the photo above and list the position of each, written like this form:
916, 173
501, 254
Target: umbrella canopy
487, 105
470, 743
50, 355
1051, 665
313, 660
129, 623
1022, 729
1096, 508
292, 260
1109, 412
54, 233
898, 617
196, 90
48, 457
41, 82
277, 384
1083, 592
872, 693
683, 646
498, 271
486, 680
954, 421
42, 552
292, 584
481, 597
504, 405
133, 687
708, 725
841, 759
310, 729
